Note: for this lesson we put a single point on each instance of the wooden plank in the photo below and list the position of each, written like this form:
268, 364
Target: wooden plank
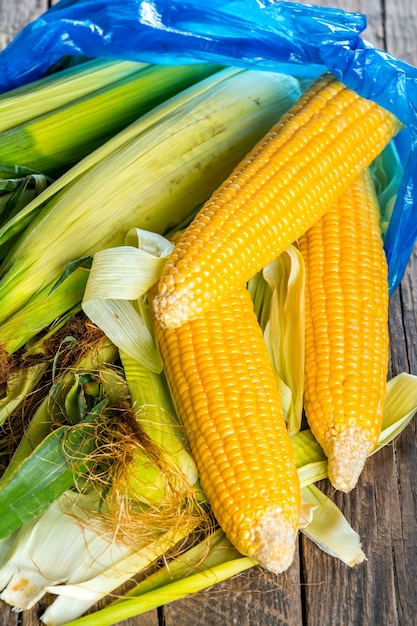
31, 618
403, 322
15, 15
255, 597
401, 20
365, 594
8, 617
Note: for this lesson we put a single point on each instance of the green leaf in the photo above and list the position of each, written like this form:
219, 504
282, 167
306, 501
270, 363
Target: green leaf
18, 187
210, 552
84, 263
156, 415
50, 412
51, 469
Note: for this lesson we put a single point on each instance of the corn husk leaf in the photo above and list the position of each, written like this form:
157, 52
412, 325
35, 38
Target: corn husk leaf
54, 141
309, 457
284, 330
61, 455
74, 599
50, 414
387, 172
54, 90
46, 308
18, 187
213, 550
164, 595
118, 278
19, 384
399, 408
156, 414
261, 295
33, 563
210, 562
330, 530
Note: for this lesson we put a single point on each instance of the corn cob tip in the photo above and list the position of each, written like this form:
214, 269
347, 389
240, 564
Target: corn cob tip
277, 538
173, 308
347, 453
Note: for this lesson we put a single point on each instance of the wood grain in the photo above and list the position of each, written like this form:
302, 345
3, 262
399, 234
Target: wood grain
252, 598
15, 15
319, 590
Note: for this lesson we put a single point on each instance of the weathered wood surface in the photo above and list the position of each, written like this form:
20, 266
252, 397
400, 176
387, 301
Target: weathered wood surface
318, 590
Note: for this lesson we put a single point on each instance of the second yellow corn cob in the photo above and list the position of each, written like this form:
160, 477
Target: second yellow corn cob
346, 330
226, 394
278, 191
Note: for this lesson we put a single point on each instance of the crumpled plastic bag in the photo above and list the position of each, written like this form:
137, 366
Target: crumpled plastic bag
303, 40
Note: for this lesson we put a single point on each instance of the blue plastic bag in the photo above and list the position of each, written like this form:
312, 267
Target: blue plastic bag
303, 40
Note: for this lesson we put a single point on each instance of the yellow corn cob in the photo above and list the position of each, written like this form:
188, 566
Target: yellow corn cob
278, 191
227, 397
346, 330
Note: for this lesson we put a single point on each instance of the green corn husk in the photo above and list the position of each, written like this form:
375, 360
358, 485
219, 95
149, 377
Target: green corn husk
54, 141
283, 306
62, 434
42, 310
209, 563
79, 519
19, 384
58, 462
57, 407
155, 174
329, 530
157, 417
70, 524
115, 295
18, 186
55, 90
